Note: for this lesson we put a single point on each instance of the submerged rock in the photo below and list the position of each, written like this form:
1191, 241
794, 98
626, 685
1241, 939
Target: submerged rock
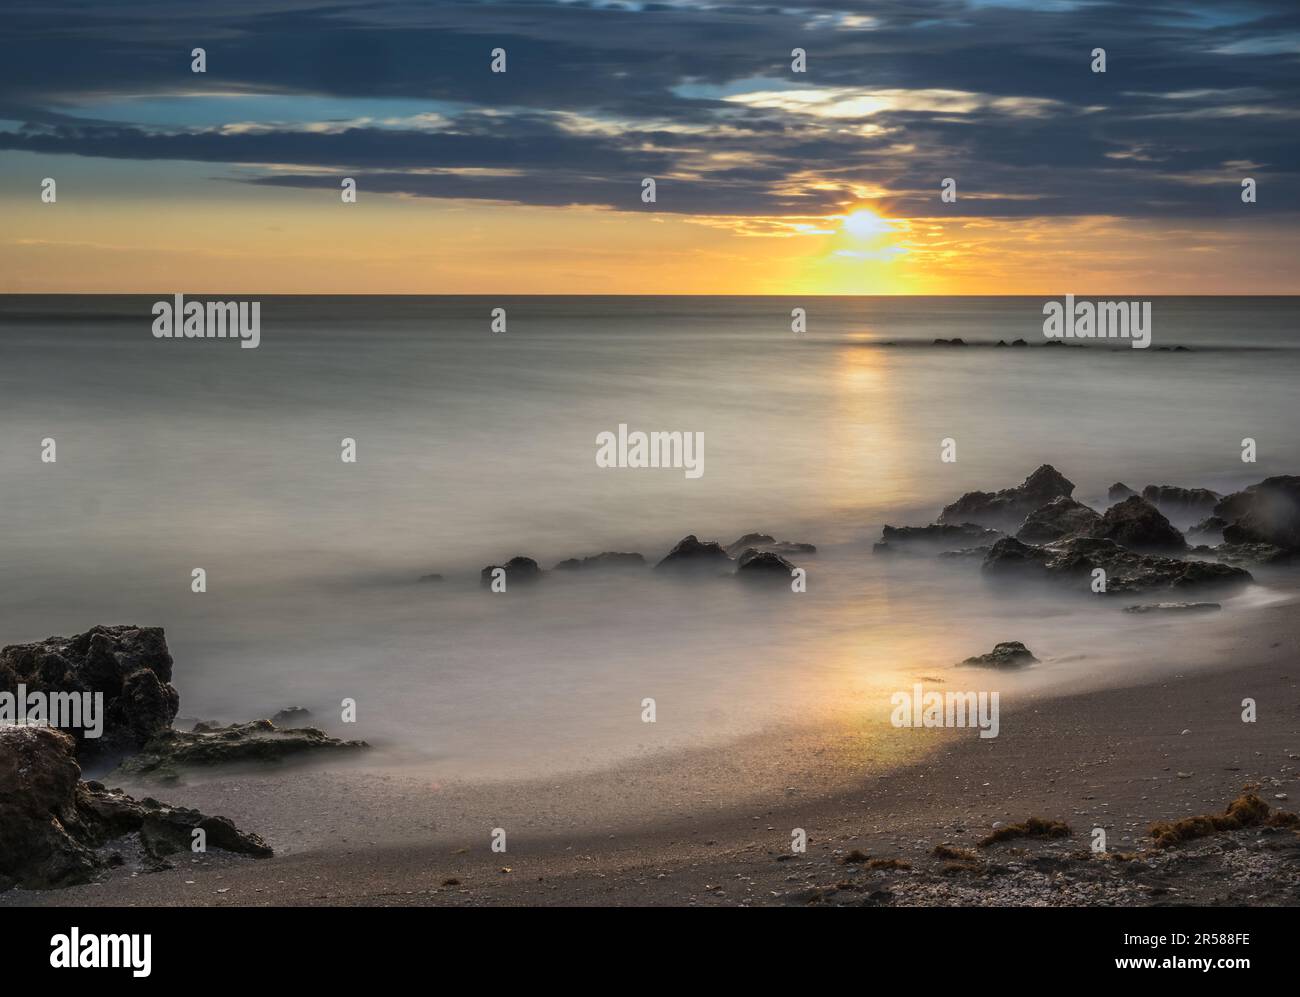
1119, 492
1265, 513
764, 566
1008, 654
258, 742
938, 536
1074, 560
1137, 524
607, 559
53, 826
1181, 503
763, 541
130, 665
519, 571
1174, 607
693, 555
1007, 509
1062, 517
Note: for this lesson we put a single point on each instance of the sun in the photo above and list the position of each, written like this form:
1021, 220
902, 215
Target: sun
865, 224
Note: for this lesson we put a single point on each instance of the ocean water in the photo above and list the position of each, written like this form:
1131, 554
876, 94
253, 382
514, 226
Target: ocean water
475, 446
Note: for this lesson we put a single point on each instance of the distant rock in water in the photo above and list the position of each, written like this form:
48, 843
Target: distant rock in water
608, 559
693, 555
956, 341
936, 537
258, 742
1174, 607
763, 566
1119, 492
1006, 509
54, 827
519, 571
1018, 342
1266, 513
1072, 562
130, 665
763, 541
1008, 654
1181, 503
1062, 517
291, 715
1137, 524
434, 577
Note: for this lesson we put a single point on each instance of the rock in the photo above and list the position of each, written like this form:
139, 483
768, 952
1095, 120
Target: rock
1007, 509
1018, 342
607, 559
1008, 654
1174, 607
130, 665
693, 555
52, 825
1210, 527
763, 566
1181, 503
1062, 517
435, 577
291, 715
950, 342
258, 742
1119, 492
939, 536
1253, 554
519, 571
763, 541
1137, 524
1266, 513
1073, 561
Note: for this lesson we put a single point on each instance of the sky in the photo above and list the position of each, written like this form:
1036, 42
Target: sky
767, 180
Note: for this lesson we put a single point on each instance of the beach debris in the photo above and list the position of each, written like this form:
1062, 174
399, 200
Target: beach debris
693, 555
55, 827
605, 559
519, 570
129, 666
1007, 509
1138, 525
763, 566
1060, 518
766, 542
1245, 811
1174, 607
1008, 654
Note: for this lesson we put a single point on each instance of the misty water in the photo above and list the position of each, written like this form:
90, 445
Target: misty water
475, 446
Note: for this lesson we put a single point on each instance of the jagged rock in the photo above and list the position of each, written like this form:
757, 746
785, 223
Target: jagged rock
1137, 524
939, 536
519, 571
1062, 517
1265, 513
53, 826
1119, 492
1174, 607
1074, 560
1008, 654
957, 341
1181, 503
258, 741
1253, 554
1006, 509
762, 541
130, 665
764, 566
1210, 527
291, 715
691, 554
608, 559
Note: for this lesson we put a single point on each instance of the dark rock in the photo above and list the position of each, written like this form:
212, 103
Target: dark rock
962, 553
53, 825
1006, 509
1211, 527
1008, 654
1062, 517
950, 342
1137, 524
608, 559
291, 715
130, 665
762, 541
691, 554
1181, 503
256, 742
519, 571
1000, 342
1174, 607
1074, 560
1253, 554
764, 566
939, 536
1018, 342
434, 577
1119, 492
1266, 513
